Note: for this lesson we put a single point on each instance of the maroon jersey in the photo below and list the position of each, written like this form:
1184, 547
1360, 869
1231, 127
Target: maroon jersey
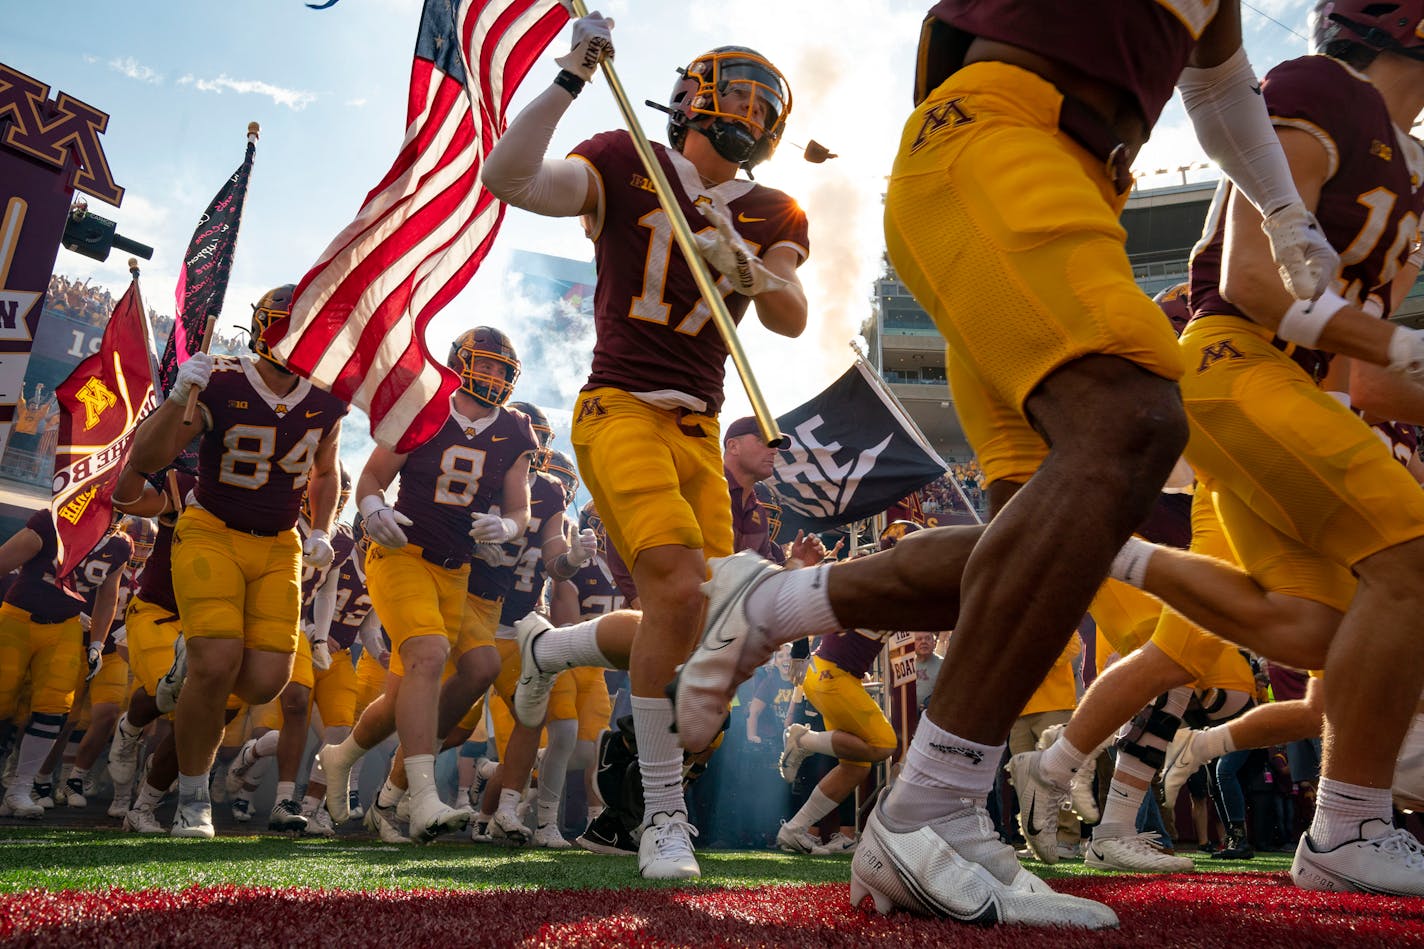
254, 461
751, 525
457, 474
1369, 207
546, 500
155, 582
38, 591
342, 542
854, 650
655, 333
597, 592
352, 604
1141, 47
112, 554
1402, 439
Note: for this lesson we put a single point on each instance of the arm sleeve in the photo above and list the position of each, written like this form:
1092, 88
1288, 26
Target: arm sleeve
517, 172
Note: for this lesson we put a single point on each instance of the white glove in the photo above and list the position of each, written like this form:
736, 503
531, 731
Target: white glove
96, 659
490, 554
383, 523
1304, 257
192, 374
321, 655
85, 623
1406, 352
582, 547
317, 551
726, 252
592, 42
489, 528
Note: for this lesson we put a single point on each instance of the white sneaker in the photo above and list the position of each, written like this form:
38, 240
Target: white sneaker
531, 694
1408, 785
44, 795
319, 824
1390, 864
796, 841
431, 817
839, 843
142, 820
1039, 804
123, 753
382, 822
1080, 789
506, 826
548, 835
957, 868
793, 755
353, 806
402, 807
1182, 762
18, 800
237, 769
165, 695
286, 817
119, 806
242, 808
480, 831
338, 784
74, 793
1140, 853
665, 850
702, 690
194, 818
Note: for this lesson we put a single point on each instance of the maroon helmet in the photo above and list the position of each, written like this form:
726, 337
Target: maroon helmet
543, 431
1389, 27
698, 101
274, 309
488, 343
1173, 302
896, 531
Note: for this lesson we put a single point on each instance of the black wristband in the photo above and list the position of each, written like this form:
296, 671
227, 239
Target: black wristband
570, 82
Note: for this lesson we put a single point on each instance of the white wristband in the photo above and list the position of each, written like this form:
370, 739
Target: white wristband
1305, 319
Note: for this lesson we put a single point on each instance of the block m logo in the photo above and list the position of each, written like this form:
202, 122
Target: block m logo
1210, 355
53, 131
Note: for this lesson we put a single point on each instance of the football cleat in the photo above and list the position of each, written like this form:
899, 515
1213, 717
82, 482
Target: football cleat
796, 841
727, 654
319, 824
235, 779
382, 822
548, 835
1080, 789
44, 794
1391, 863
18, 800
338, 783
479, 831
119, 806
793, 755
402, 807
430, 817
194, 818
957, 868
1182, 762
286, 818
531, 695
1039, 804
242, 809
665, 850
165, 695
607, 835
506, 827
142, 820
839, 843
74, 793
123, 752
1136, 853
353, 806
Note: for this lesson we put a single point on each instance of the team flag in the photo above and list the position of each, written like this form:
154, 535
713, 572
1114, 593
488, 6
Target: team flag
854, 452
202, 283
99, 406
358, 321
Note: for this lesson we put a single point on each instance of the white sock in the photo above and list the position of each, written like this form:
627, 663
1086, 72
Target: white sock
128, 730
286, 790
1130, 564
1213, 742
192, 787
1341, 809
420, 775
554, 769
570, 647
1120, 812
942, 772
816, 807
659, 756
1061, 760
349, 752
793, 604
266, 744
509, 800
148, 796
78, 774
389, 795
819, 743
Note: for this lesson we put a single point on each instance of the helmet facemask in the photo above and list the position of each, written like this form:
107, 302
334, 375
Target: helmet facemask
705, 99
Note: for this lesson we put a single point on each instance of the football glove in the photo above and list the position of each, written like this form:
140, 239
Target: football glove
95, 659
317, 552
1304, 257
1406, 352
592, 42
582, 547
321, 655
490, 528
383, 523
726, 252
491, 554
195, 372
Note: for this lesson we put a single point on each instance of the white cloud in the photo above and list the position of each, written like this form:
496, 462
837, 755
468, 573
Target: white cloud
356, 103
133, 69
294, 99
90, 59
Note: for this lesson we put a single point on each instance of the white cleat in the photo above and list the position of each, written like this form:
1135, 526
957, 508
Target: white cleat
431, 817
957, 868
838, 844
338, 784
286, 817
507, 827
727, 654
119, 806
44, 795
194, 818
796, 841
165, 695
382, 822
20, 804
665, 850
531, 694
353, 806
1080, 789
123, 753
1039, 804
74, 793
142, 820
242, 808
319, 824
237, 769
1390, 864
793, 755
549, 836
1182, 762
1137, 853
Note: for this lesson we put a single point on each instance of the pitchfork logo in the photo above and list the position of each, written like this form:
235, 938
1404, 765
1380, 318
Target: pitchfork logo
821, 479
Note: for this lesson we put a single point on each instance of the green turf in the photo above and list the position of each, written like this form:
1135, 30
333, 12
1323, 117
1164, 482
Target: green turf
58, 859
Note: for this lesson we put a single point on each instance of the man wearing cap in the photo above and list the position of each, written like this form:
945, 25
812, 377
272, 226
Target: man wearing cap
747, 460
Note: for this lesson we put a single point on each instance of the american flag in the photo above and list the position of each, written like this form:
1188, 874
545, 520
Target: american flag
359, 317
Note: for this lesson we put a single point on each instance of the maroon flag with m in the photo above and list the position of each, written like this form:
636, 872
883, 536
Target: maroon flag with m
359, 317
99, 406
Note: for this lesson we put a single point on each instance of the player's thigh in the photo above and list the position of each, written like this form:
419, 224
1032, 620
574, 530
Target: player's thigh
272, 608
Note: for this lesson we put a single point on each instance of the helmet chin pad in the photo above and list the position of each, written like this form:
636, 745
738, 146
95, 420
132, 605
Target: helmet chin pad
732, 140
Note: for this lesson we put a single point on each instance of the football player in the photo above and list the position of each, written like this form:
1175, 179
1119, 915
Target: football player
1026, 123
468, 485
236, 554
645, 425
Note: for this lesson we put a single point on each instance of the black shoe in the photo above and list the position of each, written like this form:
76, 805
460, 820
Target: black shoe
1236, 846
606, 834
286, 817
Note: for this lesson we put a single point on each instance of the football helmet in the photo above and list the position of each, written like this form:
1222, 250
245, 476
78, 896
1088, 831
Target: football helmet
274, 309
542, 430
701, 99
895, 532
1393, 27
144, 533
561, 466
1173, 302
484, 342
771, 503
590, 521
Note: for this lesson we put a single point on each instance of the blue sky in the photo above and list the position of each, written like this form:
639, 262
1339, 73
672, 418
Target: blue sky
181, 80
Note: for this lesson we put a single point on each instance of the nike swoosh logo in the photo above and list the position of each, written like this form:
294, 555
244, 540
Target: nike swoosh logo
314, 414
1033, 831
743, 219
499, 438
1256, 88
